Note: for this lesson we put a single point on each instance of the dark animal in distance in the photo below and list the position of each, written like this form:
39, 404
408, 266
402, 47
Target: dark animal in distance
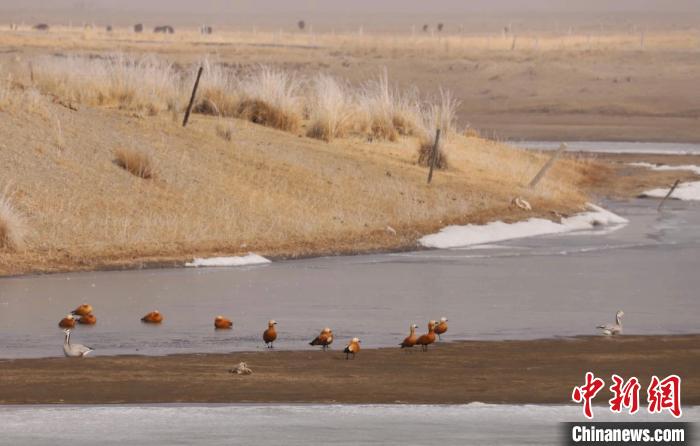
41, 27
138, 28
165, 29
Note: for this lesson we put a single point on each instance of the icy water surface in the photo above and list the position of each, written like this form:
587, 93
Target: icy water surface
550, 286
472, 424
615, 147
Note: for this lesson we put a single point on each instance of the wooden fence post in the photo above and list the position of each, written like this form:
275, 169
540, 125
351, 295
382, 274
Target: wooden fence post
194, 93
546, 167
675, 185
434, 155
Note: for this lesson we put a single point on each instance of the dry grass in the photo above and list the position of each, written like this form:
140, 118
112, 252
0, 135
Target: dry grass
332, 110
440, 115
310, 197
225, 131
137, 163
13, 227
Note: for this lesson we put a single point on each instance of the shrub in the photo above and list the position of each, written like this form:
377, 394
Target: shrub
13, 228
135, 162
332, 109
271, 98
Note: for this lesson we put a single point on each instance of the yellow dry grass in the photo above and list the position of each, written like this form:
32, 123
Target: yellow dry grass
274, 192
135, 162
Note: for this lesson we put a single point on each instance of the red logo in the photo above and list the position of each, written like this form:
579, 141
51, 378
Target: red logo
661, 394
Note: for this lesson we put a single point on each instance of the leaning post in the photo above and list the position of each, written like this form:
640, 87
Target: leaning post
434, 155
194, 93
546, 167
675, 185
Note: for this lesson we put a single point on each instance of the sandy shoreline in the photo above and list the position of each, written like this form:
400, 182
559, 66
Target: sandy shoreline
517, 372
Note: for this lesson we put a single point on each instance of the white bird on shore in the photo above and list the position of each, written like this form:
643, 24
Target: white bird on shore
74, 350
613, 329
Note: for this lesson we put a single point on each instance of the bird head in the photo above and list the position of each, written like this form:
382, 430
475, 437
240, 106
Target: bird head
443, 319
271, 322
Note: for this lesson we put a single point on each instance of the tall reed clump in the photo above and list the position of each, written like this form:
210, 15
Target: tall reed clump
271, 97
388, 113
332, 109
137, 163
440, 115
124, 81
218, 94
13, 228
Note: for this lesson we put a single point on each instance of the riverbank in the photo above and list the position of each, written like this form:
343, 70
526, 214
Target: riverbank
517, 372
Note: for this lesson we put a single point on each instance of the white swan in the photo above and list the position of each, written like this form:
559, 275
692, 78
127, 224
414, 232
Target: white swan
74, 350
613, 329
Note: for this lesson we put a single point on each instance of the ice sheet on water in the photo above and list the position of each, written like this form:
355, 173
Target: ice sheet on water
665, 167
266, 424
684, 191
460, 236
250, 259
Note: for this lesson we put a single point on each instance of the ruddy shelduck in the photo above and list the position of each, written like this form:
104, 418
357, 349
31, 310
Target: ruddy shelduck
67, 322
270, 334
154, 317
83, 310
411, 339
425, 340
88, 319
352, 348
441, 328
221, 323
325, 339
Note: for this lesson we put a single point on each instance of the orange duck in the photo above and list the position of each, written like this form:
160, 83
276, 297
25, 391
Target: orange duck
83, 310
88, 319
324, 339
411, 339
67, 322
353, 348
221, 323
270, 334
154, 317
425, 340
441, 328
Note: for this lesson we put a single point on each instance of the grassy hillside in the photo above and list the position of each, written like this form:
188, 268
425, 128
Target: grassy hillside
74, 196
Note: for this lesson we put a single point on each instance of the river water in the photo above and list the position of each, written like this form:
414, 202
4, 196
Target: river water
550, 286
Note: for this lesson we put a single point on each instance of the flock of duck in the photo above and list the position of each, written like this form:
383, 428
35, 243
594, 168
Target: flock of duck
84, 315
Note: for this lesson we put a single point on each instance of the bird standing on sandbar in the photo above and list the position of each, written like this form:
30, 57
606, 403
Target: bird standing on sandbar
352, 348
441, 328
154, 317
74, 350
67, 322
425, 340
325, 339
221, 323
613, 329
411, 339
270, 334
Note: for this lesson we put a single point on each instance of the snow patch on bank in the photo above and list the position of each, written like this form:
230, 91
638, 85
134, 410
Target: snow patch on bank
664, 167
497, 231
684, 191
250, 259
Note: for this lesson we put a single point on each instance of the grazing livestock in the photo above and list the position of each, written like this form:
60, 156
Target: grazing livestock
325, 339
613, 329
270, 334
154, 317
138, 28
82, 310
164, 29
352, 348
411, 339
206, 29
441, 328
41, 27
425, 340
88, 319
74, 350
67, 322
221, 323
